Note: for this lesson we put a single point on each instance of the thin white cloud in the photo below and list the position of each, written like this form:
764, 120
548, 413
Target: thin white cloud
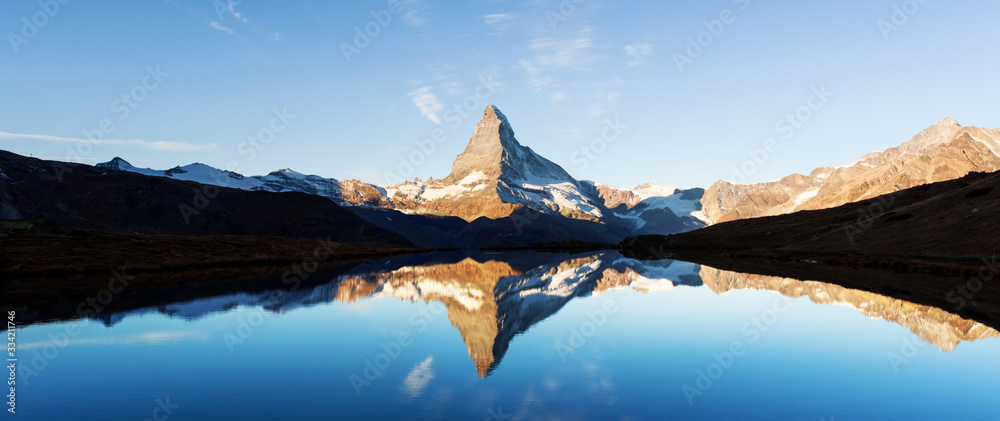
558, 97
418, 379
445, 77
220, 27
151, 338
559, 54
499, 22
638, 53
608, 96
162, 145
552, 55
222, 10
276, 37
596, 110
415, 12
497, 18
427, 103
237, 15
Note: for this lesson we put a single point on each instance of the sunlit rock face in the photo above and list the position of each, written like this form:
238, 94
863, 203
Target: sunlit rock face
938, 327
944, 151
496, 175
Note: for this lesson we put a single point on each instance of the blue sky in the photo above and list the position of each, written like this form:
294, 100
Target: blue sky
559, 71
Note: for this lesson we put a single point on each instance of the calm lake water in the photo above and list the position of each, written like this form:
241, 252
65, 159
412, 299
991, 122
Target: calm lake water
511, 336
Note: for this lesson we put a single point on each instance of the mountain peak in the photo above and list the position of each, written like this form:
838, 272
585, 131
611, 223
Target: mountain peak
948, 121
493, 113
494, 151
933, 136
116, 164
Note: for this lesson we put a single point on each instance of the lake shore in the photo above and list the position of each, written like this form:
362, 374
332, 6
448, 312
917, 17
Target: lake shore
69, 264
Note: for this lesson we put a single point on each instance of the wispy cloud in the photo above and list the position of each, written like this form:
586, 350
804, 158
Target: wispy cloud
558, 54
427, 103
558, 97
276, 37
231, 10
638, 53
220, 27
418, 379
166, 146
415, 12
499, 22
550, 54
151, 338
445, 77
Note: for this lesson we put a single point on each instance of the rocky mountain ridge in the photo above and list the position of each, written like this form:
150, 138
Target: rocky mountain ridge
496, 178
944, 151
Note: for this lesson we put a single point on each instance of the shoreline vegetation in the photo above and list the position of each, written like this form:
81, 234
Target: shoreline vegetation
35, 263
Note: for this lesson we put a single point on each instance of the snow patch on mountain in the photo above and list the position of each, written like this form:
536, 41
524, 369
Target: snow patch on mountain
285, 180
428, 289
805, 196
650, 201
422, 191
546, 196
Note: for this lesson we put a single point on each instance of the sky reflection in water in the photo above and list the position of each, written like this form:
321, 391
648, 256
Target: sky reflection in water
519, 336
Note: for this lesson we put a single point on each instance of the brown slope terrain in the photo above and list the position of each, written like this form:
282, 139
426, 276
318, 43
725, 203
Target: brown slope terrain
950, 222
944, 151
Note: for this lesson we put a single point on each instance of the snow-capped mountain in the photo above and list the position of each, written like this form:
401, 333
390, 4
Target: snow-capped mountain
278, 181
495, 177
653, 209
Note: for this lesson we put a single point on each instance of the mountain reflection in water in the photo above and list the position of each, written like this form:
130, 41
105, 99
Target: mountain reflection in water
493, 297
